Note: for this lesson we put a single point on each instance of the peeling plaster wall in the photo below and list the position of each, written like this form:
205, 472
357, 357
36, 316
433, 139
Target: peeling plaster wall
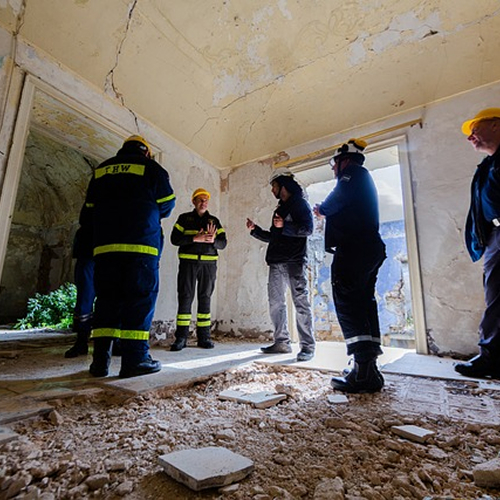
442, 164
240, 80
50, 195
243, 306
187, 170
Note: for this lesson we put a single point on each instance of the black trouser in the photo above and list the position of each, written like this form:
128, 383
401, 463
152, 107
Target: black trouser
489, 328
126, 290
85, 295
354, 274
195, 276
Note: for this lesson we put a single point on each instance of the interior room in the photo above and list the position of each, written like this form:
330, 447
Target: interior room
226, 92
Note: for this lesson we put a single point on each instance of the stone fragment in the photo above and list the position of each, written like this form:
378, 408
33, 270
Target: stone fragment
487, 475
7, 435
124, 488
330, 489
210, 467
337, 398
229, 489
116, 465
97, 481
262, 399
225, 434
55, 418
413, 432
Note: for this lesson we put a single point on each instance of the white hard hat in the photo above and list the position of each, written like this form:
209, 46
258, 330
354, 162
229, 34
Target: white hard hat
279, 172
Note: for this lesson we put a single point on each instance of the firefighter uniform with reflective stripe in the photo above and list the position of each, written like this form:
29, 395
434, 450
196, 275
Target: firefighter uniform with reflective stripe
127, 197
197, 266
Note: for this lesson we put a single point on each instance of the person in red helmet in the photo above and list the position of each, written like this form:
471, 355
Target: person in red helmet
482, 236
127, 197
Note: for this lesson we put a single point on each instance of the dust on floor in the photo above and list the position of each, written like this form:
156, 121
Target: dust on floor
107, 446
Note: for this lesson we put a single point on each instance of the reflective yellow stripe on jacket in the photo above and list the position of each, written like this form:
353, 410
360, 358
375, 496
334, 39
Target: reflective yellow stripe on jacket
126, 247
120, 168
167, 198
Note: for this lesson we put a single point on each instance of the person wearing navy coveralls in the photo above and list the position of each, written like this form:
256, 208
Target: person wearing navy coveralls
199, 236
352, 235
482, 236
127, 197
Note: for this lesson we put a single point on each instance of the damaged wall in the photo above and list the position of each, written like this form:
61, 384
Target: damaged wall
51, 192
442, 164
187, 170
396, 69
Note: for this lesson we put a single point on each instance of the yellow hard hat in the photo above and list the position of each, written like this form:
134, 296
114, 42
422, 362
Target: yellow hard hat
485, 114
199, 192
352, 146
141, 140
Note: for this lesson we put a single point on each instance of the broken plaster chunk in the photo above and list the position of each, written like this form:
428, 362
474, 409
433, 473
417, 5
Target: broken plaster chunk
412, 432
487, 475
261, 399
337, 398
211, 467
7, 435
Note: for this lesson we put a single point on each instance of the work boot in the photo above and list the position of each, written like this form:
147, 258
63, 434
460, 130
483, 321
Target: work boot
149, 365
363, 378
179, 344
277, 348
181, 336
305, 354
479, 366
102, 357
80, 347
204, 341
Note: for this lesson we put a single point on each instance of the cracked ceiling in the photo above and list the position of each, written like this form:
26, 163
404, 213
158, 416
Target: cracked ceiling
237, 80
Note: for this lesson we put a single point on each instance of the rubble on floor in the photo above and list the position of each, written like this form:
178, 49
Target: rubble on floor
106, 446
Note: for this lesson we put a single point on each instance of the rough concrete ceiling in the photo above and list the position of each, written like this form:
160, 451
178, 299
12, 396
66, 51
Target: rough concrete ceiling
236, 80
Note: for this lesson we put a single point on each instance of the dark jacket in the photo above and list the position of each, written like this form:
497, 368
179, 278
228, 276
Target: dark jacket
127, 197
484, 206
187, 226
351, 210
289, 243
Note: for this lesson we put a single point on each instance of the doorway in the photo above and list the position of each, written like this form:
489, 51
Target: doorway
56, 144
398, 288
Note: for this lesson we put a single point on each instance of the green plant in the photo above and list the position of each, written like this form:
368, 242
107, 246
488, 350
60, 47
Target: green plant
53, 310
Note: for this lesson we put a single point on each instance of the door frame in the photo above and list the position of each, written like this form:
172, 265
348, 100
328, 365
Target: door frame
14, 164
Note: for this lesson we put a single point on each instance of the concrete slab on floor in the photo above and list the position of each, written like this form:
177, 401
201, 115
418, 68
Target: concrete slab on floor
420, 365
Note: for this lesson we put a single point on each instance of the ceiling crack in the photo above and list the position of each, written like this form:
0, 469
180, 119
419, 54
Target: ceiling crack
109, 84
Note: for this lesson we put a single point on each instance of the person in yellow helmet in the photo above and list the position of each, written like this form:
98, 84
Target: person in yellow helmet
127, 197
482, 236
199, 236
352, 235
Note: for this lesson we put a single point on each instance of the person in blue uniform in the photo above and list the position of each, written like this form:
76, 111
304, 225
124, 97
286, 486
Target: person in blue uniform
127, 197
482, 235
85, 293
286, 257
352, 235
199, 236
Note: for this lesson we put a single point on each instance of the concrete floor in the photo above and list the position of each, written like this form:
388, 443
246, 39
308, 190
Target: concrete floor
34, 370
